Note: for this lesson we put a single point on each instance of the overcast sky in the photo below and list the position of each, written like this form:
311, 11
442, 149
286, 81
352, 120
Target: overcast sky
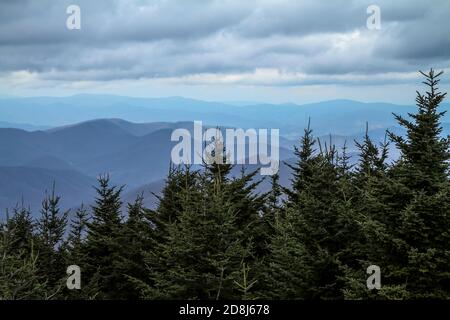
271, 51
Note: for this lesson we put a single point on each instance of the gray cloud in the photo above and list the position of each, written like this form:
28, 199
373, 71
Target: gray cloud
311, 40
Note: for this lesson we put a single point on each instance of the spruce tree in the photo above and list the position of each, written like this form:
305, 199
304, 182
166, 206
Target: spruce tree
367, 208
203, 253
424, 153
273, 206
286, 267
136, 237
77, 236
51, 227
19, 276
21, 229
19, 273
74, 251
420, 239
318, 226
303, 168
204, 250
406, 209
178, 179
102, 247
372, 159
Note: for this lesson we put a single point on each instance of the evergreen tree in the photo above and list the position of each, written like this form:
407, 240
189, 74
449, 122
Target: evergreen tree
74, 251
51, 227
19, 274
136, 238
420, 240
407, 209
77, 236
303, 169
273, 206
169, 201
312, 245
21, 229
203, 253
367, 206
102, 247
372, 160
424, 154
286, 267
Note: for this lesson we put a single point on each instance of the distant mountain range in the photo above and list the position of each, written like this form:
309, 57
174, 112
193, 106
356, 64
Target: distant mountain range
24, 126
341, 117
77, 148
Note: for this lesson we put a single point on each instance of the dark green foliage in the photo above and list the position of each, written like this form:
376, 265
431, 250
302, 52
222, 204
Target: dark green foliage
137, 237
21, 229
19, 276
206, 246
74, 252
177, 180
424, 163
421, 190
50, 232
19, 273
202, 252
372, 160
76, 239
404, 208
103, 248
302, 172
286, 269
273, 208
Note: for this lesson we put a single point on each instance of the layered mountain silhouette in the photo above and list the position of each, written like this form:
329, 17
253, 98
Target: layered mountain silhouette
341, 117
131, 140
132, 154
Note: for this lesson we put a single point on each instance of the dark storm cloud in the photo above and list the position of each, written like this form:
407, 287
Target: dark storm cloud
426, 37
106, 21
155, 39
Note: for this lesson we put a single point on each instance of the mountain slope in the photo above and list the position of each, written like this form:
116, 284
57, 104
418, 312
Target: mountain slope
29, 184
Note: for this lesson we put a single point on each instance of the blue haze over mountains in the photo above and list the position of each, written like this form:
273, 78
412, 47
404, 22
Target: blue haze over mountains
71, 140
